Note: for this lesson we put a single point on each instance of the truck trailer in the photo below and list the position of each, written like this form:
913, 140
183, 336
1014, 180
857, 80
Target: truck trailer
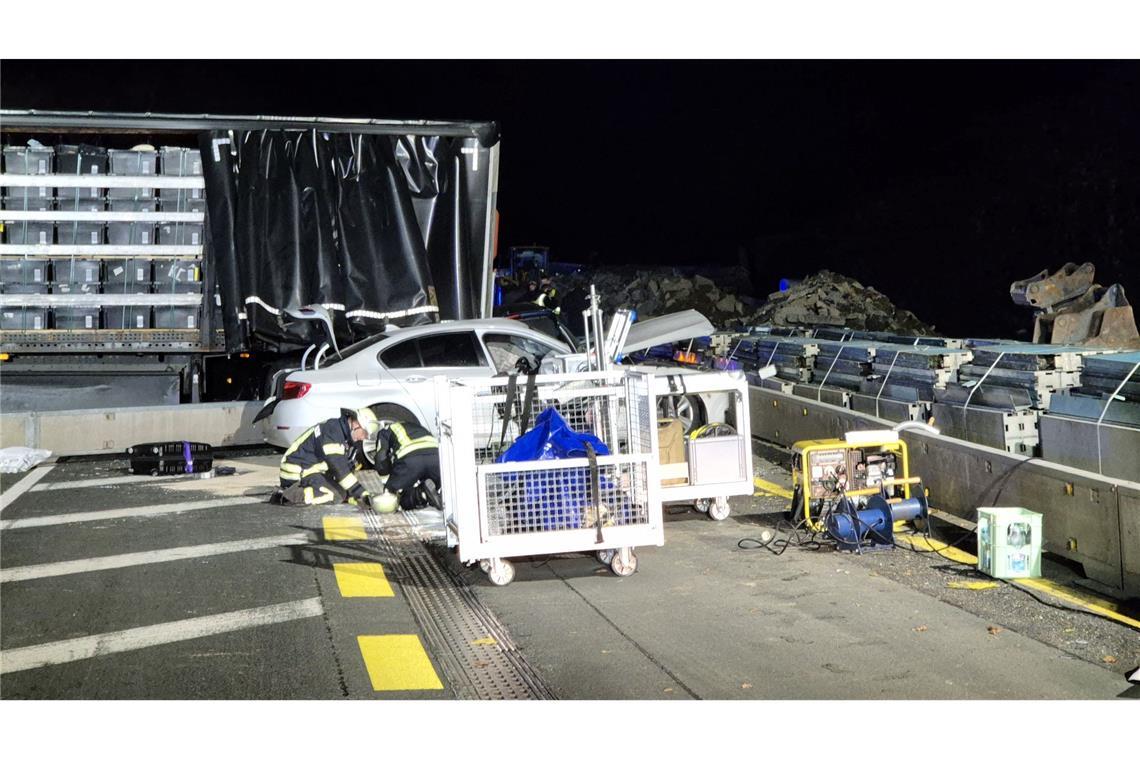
153, 259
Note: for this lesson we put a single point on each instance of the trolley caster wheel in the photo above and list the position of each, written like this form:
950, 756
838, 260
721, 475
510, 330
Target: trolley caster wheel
485, 565
719, 509
501, 572
605, 556
624, 566
702, 505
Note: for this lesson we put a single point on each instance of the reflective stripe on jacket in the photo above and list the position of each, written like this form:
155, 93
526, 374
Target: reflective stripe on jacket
410, 437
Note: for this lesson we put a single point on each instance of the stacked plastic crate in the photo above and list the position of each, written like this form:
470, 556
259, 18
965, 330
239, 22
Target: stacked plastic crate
179, 276
28, 275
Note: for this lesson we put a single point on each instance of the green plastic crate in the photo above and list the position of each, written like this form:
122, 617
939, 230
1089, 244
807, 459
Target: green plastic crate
1009, 542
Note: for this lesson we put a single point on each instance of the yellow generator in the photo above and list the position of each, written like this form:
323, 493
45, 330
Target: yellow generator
865, 464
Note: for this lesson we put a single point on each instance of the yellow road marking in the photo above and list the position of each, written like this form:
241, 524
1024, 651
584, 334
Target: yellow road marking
922, 543
343, 529
1089, 602
772, 488
973, 585
362, 579
397, 663
486, 641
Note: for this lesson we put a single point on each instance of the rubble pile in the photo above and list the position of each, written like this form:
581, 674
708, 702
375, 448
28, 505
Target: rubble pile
722, 295
827, 298
657, 291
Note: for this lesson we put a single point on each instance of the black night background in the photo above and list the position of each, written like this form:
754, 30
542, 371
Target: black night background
938, 183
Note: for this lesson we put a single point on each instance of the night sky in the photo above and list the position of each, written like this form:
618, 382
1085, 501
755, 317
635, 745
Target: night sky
936, 182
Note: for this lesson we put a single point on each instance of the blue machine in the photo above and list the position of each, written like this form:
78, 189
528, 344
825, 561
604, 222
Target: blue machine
872, 527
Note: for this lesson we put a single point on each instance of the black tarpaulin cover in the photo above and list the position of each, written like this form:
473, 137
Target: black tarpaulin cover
374, 228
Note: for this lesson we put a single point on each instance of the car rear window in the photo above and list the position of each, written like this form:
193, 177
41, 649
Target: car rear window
401, 356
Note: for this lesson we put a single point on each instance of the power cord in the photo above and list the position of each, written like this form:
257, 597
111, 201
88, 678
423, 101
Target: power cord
795, 538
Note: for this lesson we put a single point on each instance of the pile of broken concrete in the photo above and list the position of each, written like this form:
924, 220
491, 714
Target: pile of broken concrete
827, 298
723, 295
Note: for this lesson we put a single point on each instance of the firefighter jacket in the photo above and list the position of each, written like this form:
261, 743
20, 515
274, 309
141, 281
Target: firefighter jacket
402, 438
325, 449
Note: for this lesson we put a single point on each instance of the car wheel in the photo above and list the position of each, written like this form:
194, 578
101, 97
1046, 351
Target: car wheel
392, 413
688, 409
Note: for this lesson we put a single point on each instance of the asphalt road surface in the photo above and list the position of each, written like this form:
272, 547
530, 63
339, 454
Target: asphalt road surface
147, 588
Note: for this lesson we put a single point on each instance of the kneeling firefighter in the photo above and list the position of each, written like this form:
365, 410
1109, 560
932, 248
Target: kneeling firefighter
319, 467
408, 454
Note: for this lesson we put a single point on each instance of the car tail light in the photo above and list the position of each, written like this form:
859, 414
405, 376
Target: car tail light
294, 390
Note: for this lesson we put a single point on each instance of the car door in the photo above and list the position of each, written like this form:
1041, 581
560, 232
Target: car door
414, 363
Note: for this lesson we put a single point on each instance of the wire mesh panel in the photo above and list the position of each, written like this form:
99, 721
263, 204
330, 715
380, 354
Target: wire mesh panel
559, 497
546, 504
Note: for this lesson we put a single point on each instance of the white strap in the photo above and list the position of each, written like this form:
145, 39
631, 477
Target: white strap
979, 383
819, 390
1099, 462
884, 384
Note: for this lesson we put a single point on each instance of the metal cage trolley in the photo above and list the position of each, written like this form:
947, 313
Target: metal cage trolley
606, 503
707, 465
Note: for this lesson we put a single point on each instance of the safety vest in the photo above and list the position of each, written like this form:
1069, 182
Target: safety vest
327, 449
406, 444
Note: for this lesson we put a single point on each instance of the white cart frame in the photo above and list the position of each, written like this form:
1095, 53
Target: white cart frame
488, 507
709, 489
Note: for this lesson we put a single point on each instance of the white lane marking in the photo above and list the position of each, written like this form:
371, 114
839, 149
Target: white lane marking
115, 514
112, 481
52, 569
59, 652
23, 484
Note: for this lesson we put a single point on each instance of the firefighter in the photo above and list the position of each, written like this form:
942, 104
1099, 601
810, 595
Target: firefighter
408, 454
319, 467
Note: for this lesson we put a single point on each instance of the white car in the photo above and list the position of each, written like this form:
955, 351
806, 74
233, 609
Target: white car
393, 372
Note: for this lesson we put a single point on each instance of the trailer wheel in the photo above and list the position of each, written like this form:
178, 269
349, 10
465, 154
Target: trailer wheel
624, 566
720, 508
501, 572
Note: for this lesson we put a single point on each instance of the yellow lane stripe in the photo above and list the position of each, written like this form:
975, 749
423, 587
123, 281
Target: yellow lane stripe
397, 663
343, 529
922, 543
1094, 604
772, 488
362, 579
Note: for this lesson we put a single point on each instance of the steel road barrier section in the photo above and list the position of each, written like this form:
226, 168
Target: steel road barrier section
608, 503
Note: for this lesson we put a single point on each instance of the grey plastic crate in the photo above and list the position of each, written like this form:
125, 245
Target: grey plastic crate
80, 204
127, 276
76, 271
27, 160
29, 233
80, 159
19, 289
75, 317
126, 317
79, 233
75, 288
181, 162
178, 276
23, 318
177, 317
181, 200
133, 163
28, 198
131, 233
181, 233
24, 272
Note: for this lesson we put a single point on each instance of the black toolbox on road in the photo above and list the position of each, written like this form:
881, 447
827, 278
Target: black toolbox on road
171, 458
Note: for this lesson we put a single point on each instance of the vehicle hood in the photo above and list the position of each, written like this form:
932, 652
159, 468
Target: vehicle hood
669, 328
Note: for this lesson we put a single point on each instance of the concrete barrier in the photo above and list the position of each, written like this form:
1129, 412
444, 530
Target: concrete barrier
102, 431
1088, 518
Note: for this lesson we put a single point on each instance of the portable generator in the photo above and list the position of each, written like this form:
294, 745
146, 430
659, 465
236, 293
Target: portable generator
855, 488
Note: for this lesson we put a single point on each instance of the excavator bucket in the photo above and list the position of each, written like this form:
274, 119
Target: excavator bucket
1044, 291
